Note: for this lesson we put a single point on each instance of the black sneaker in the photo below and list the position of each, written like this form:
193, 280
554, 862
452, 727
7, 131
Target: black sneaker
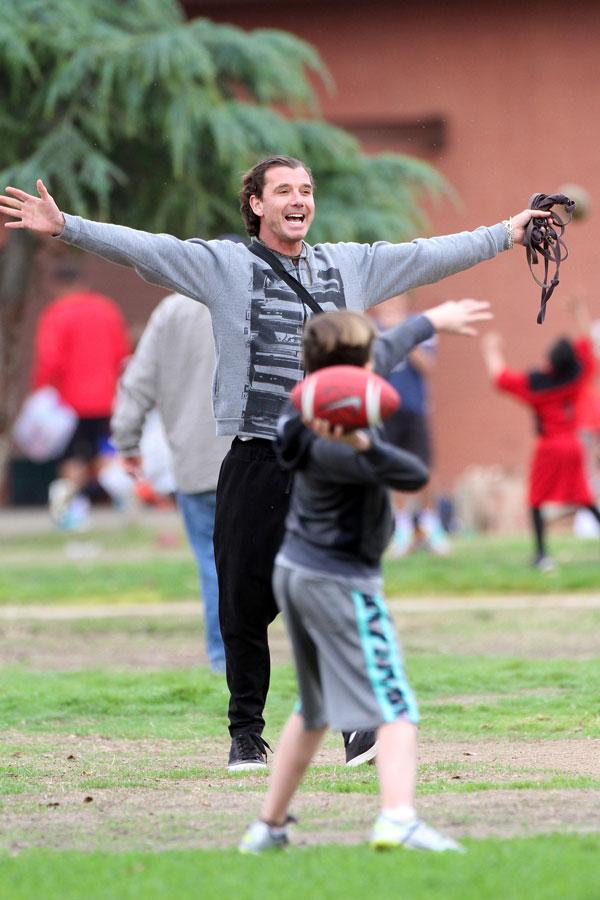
248, 751
361, 747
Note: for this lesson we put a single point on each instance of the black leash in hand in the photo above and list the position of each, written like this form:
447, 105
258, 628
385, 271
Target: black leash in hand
543, 237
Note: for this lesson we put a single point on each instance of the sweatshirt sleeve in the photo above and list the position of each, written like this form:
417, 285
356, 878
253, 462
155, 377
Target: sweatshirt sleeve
382, 464
394, 345
194, 268
389, 269
138, 390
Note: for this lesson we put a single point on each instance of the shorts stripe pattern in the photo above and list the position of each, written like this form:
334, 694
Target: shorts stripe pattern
384, 665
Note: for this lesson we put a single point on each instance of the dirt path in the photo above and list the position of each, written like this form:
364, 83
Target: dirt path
210, 809
50, 612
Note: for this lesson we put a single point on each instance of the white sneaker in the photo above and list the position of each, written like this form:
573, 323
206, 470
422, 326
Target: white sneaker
69, 510
60, 493
412, 835
404, 538
261, 837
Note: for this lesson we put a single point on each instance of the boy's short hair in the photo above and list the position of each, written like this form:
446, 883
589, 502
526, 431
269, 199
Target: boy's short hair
340, 338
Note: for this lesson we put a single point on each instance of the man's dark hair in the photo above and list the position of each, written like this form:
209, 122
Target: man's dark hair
340, 338
253, 182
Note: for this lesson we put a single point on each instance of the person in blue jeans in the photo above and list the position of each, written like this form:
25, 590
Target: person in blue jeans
198, 511
171, 370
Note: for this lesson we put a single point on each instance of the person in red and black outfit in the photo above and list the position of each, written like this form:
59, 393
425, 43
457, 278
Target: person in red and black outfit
81, 345
557, 473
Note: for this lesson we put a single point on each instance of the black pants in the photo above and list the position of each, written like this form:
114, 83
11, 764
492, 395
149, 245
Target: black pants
253, 496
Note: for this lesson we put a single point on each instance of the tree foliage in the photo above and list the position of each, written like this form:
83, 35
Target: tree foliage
132, 114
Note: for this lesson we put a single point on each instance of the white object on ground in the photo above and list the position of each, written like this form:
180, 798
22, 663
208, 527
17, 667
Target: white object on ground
44, 426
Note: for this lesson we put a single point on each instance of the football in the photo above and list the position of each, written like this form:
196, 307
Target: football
345, 395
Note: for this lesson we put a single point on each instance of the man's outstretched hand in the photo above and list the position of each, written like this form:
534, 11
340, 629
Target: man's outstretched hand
520, 222
39, 214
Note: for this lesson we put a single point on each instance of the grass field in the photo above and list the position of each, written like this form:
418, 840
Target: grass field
112, 776
132, 567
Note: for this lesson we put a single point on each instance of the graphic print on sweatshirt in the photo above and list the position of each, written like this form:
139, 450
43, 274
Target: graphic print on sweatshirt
274, 326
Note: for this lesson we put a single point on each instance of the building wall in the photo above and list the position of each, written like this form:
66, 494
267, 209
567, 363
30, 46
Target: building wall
504, 101
516, 86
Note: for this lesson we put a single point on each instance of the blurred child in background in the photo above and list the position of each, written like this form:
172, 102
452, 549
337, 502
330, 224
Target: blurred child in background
417, 522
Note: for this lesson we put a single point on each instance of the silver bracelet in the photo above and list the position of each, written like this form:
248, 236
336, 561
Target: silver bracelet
509, 232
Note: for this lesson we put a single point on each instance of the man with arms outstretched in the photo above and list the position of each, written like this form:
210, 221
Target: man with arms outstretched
257, 324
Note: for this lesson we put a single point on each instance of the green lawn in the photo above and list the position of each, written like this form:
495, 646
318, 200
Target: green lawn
553, 867
138, 743
478, 565
182, 703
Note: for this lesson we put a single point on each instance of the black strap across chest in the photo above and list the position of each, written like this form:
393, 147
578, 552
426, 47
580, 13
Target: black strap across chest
543, 237
279, 269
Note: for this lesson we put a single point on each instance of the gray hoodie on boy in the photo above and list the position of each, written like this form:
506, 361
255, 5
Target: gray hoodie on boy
257, 319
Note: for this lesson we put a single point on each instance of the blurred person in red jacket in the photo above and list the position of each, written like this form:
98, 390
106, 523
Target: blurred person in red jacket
81, 345
557, 474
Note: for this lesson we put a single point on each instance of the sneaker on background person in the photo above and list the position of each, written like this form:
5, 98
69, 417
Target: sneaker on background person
403, 541
411, 834
60, 494
435, 538
248, 751
544, 564
69, 510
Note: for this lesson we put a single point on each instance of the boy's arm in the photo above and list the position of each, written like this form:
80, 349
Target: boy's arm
451, 317
393, 346
359, 458
354, 457
422, 359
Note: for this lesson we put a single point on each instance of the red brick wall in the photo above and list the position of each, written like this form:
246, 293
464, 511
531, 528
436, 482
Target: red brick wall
517, 88
517, 85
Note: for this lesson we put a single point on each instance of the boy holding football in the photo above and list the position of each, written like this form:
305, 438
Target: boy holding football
327, 581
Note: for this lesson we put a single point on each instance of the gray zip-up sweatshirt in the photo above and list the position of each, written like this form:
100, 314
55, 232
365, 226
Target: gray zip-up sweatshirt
257, 320
171, 370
